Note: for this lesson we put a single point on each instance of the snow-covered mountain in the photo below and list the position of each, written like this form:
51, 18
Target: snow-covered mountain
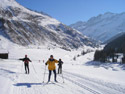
26, 27
103, 27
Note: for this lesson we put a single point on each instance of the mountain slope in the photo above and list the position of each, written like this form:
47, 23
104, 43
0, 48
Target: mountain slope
25, 27
118, 44
102, 27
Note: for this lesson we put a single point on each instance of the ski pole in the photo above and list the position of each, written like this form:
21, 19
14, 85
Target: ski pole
33, 68
22, 67
44, 74
62, 77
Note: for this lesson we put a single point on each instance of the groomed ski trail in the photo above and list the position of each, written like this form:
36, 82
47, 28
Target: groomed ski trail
94, 86
33, 83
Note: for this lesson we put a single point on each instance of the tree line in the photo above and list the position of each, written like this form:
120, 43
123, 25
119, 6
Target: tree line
110, 55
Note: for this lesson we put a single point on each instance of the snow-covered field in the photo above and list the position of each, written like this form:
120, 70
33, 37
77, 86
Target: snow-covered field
79, 77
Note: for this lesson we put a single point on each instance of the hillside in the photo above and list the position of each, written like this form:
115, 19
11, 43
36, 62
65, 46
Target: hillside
102, 27
26, 27
118, 44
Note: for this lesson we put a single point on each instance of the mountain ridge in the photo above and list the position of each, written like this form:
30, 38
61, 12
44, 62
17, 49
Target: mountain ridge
23, 26
102, 27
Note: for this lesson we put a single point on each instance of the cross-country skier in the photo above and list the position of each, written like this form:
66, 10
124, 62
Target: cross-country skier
51, 67
60, 66
26, 61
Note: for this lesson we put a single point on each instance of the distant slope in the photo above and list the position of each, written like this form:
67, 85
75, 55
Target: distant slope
25, 27
118, 43
103, 27
115, 37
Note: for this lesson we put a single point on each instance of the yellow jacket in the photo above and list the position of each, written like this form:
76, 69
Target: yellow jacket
51, 64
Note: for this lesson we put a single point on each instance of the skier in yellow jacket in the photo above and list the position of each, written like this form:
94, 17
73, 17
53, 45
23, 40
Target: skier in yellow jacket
51, 67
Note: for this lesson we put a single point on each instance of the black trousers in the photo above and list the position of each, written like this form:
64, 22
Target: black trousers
26, 67
59, 70
50, 72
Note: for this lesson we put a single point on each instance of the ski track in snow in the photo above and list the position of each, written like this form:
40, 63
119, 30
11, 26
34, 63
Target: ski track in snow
100, 86
33, 83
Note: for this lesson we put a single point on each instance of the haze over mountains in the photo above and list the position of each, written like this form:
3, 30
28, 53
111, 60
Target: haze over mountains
102, 27
26, 27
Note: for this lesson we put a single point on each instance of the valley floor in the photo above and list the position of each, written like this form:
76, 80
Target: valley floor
79, 78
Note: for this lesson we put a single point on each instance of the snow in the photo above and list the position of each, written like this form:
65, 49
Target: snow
5, 4
3, 51
102, 27
81, 76
46, 30
49, 21
6, 45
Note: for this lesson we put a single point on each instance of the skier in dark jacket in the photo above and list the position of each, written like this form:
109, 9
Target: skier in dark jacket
60, 66
26, 61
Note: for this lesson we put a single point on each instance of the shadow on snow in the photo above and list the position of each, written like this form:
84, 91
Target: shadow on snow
29, 85
114, 66
7, 71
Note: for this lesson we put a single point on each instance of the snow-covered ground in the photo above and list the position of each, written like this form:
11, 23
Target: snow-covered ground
79, 77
